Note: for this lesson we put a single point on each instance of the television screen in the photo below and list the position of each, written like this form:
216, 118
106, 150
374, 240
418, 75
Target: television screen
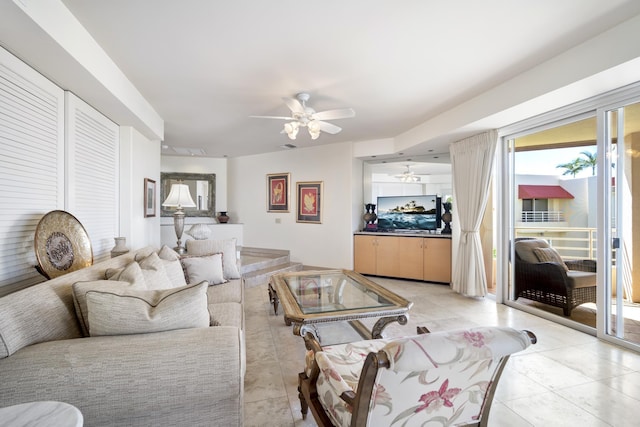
407, 213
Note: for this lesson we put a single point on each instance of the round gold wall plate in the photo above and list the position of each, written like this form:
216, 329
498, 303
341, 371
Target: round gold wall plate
62, 244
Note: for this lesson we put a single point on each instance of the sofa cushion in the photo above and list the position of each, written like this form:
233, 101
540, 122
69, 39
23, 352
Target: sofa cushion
210, 246
227, 314
231, 291
549, 255
127, 311
80, 290
199, 268
35, 314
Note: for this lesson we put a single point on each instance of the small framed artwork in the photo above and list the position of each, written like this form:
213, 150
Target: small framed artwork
278, 192
149, 198
309, 202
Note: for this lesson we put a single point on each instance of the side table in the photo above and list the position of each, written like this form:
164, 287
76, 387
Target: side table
41, 414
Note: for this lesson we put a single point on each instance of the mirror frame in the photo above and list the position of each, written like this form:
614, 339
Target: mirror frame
165, 188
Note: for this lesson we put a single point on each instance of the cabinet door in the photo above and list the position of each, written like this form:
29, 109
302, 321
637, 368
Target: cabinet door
437, 260
386, 256
409, 258
364, 254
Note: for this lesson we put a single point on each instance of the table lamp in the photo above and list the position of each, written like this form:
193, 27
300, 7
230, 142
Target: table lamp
179, 197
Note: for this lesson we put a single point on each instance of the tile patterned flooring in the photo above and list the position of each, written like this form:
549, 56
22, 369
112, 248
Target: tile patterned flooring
569, 378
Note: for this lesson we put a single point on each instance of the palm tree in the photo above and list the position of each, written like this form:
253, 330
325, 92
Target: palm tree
573, 167
590, 161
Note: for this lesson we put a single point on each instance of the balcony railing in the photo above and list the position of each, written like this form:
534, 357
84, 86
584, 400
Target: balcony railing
543, 216
570, 242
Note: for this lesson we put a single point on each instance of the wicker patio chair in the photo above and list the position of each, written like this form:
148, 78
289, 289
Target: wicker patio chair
542, 275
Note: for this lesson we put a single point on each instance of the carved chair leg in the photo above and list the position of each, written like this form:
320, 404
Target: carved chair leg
304, 407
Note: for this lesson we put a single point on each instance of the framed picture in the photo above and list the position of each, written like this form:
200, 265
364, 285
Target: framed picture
149, 198
278, 192
309, 202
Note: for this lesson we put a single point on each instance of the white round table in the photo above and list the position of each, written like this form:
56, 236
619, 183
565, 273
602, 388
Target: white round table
41, 414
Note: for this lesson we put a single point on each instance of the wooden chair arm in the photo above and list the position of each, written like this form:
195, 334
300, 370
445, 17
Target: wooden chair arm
349, 397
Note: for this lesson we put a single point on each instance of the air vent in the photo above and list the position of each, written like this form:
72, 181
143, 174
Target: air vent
288, 146
186, 151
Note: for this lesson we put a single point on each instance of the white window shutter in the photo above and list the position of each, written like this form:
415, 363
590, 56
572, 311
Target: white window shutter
92, 143
31, 164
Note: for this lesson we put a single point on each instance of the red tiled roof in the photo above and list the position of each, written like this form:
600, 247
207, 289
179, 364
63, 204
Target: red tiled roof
543, 192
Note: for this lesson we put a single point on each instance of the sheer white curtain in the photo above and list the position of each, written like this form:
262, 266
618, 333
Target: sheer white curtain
472, 164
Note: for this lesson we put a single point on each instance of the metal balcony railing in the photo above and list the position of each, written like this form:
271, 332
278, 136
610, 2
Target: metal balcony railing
543, 216
570, 242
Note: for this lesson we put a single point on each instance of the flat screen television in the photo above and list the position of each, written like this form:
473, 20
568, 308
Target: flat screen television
409, 213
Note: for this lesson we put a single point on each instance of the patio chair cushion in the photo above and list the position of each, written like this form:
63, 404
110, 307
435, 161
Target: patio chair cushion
549, 255
524, 249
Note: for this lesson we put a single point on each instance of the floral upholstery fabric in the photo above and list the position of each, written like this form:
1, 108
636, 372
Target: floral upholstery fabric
434, 379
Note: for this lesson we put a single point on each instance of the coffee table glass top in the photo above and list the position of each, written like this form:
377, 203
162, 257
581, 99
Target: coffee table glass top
334, 295
333, 291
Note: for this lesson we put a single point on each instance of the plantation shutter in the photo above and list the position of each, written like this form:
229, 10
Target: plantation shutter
92, 177
31, 165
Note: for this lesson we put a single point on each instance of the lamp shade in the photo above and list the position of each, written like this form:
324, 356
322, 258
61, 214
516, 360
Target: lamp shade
179, 196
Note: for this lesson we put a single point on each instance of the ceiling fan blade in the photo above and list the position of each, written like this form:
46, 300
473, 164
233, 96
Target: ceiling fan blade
329, 127
272, 117
294, 105
344, 113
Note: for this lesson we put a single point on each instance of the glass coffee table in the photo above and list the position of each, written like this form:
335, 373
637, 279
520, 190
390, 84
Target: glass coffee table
312, 300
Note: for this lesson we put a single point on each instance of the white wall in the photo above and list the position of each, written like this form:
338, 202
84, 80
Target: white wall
329, 244
139, 159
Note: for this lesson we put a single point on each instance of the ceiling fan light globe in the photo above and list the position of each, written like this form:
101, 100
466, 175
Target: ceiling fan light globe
314, 126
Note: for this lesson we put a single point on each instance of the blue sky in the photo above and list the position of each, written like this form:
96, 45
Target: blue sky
544, 162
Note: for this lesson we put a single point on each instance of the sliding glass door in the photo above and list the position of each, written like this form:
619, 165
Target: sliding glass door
570, 180
621, 247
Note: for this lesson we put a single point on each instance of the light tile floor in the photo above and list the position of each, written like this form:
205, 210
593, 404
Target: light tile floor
569, 378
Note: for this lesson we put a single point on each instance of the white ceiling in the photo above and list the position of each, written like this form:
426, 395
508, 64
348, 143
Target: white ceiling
206, 66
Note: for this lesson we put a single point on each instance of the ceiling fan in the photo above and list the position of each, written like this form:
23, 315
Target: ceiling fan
408, 175
303, 116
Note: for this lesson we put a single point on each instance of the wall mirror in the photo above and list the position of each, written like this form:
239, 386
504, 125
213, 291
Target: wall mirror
202, 187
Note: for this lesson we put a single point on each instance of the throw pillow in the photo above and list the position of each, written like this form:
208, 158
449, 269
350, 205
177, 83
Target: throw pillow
80, 290
154, 272
549, 255
132, 273
207, 268
228, 249
171, 261
138, 312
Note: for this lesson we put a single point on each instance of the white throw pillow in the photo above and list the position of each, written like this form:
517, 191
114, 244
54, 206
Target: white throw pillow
80, 290
139, 312
209, 246
171, 261
154, 272
132, 273
209, 268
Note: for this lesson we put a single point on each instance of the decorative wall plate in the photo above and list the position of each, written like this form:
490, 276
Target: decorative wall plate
62, 244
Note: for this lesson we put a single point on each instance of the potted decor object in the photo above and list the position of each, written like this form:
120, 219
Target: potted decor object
223, 218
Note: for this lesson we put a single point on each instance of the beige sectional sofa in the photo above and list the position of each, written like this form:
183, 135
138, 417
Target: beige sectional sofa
122, 368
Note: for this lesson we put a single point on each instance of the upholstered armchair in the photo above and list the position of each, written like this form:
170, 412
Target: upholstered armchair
542, 275
447, 378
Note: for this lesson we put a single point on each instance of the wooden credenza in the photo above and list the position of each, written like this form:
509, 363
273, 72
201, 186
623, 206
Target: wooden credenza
416, 257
